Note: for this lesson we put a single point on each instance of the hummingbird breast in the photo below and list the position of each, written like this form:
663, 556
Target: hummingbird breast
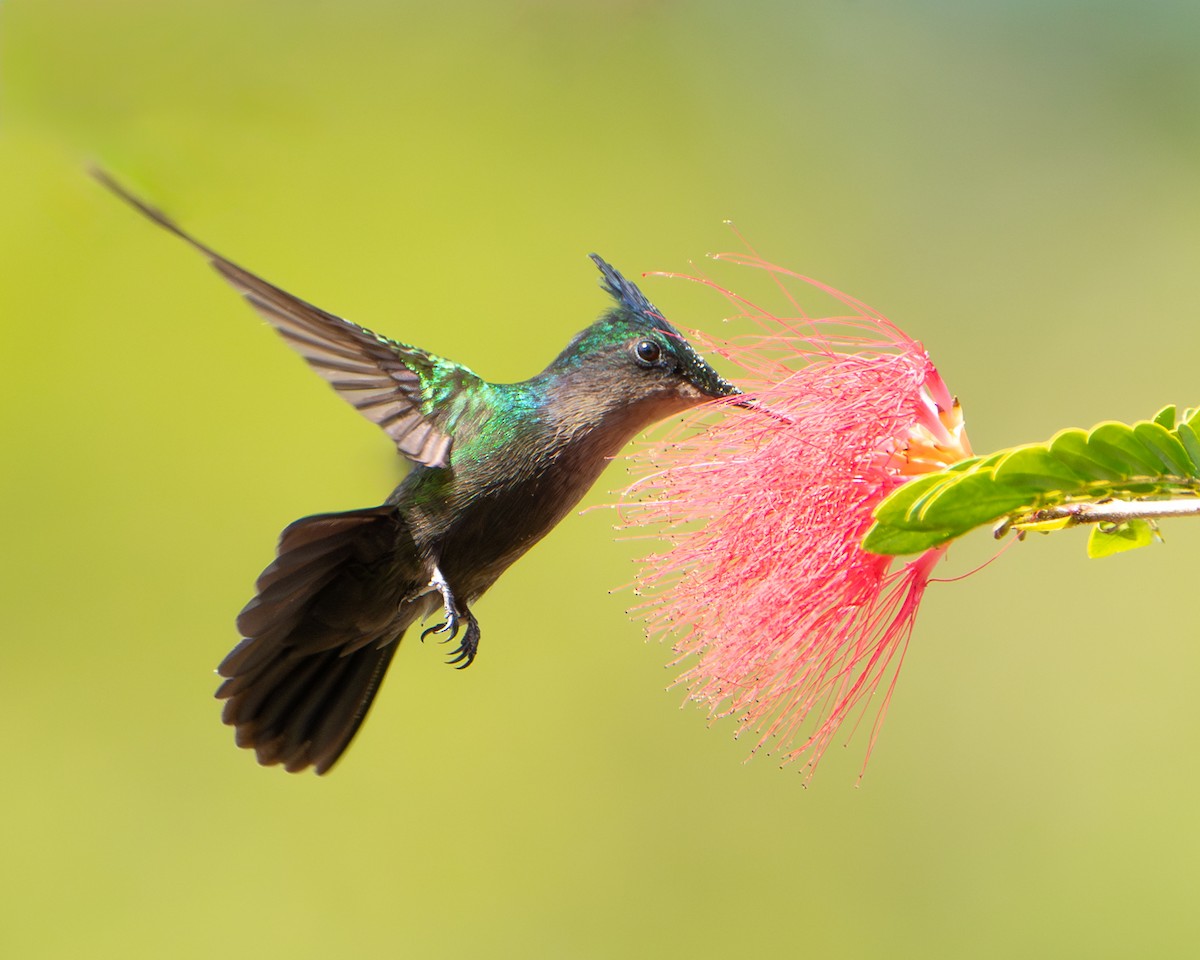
478, 516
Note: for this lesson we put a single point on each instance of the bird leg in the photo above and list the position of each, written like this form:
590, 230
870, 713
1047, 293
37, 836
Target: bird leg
464, 653
449, 606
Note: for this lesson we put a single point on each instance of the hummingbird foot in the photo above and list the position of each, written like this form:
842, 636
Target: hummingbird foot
449, 607
464, 654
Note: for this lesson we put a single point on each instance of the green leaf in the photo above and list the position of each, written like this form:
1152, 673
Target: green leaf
1045, 526
1115, 446
915, 518
1165, 417
1191, 443
904, 507
1165, 446
1126, 536
1114, 460
897, 542
1035, 468
1071, 447
897, 507
974, 498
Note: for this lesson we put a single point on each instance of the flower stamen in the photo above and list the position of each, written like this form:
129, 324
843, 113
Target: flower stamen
777, 611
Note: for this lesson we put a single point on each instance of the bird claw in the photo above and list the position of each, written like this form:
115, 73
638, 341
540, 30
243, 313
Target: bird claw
450, 626
464, 653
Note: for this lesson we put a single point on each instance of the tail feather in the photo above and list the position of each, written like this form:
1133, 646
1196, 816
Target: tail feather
311, 715
319, 636
281, 602
336, 726
311, 553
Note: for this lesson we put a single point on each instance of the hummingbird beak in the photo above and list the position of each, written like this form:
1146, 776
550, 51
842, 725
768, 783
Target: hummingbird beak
751, 404
723, 388
713, 385
703, 377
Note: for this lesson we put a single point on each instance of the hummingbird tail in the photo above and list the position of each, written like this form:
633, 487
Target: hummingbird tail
319, 636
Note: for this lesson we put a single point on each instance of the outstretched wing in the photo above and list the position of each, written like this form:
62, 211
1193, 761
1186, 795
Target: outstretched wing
389, 383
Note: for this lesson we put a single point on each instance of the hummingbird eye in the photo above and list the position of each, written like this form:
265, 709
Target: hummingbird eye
647, 352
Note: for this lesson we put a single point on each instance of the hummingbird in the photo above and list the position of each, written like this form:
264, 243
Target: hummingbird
494, 468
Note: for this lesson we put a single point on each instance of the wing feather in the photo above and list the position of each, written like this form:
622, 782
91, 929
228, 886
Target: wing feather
387, 382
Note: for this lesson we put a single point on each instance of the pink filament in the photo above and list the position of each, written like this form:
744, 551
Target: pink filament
781, 615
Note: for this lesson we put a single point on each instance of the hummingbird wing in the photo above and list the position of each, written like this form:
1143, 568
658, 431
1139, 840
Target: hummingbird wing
389, 383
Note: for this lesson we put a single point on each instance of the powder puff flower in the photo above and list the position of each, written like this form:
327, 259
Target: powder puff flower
778, 612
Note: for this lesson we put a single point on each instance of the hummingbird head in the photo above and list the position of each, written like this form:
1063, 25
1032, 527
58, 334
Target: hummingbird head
634, 360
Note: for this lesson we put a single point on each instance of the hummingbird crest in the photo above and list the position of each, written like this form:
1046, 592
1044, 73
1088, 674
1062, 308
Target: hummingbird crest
626, 293
633, 305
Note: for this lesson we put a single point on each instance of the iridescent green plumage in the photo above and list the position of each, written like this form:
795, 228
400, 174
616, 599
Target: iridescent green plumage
496, 466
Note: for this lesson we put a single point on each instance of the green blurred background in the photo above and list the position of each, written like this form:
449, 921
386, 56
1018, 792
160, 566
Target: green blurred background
1016, 184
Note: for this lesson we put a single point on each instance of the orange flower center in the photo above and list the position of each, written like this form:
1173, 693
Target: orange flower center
938, 442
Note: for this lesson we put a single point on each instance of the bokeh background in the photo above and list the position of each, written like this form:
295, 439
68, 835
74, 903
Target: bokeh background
1014, 183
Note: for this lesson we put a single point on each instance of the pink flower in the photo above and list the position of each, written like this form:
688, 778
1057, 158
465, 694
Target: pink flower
781, 615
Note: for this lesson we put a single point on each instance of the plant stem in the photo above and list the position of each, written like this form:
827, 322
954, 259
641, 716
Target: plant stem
1113, 511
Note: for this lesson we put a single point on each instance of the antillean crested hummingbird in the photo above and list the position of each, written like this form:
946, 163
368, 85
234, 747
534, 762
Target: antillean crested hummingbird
495, 466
